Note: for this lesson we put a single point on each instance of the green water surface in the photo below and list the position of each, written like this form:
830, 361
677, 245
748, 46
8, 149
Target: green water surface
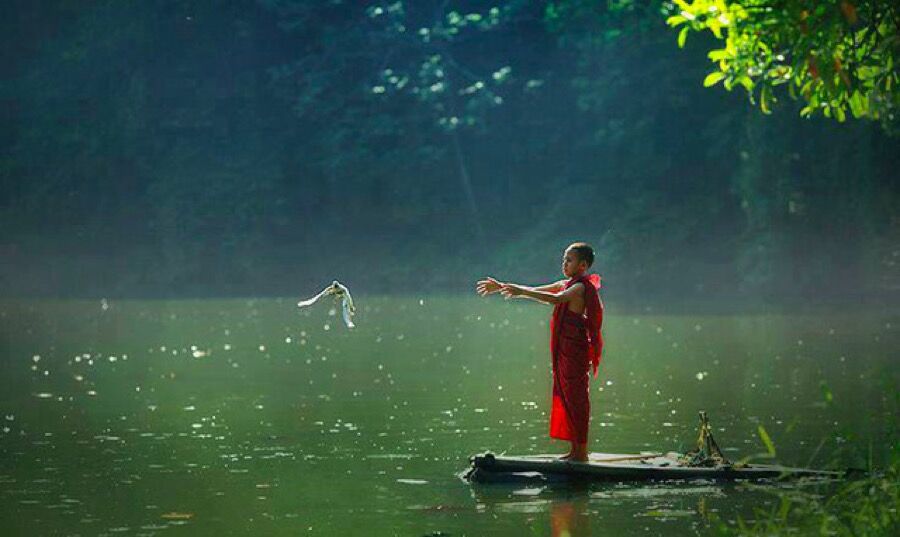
250, 417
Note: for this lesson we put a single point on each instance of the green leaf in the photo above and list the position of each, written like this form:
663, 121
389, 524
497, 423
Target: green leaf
713, 78
746, 81
765, 96
858, 104
764, 436
839, 113
784, 508
718, 54
682, 36
730, 46
675, 20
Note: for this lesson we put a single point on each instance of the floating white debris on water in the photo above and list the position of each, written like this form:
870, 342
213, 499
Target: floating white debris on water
412, 481
112, 359
701, 375
288, 339
199, 353
226, 347
36, 358
43, 395
92, 393
10, 417
262, 348
326, 327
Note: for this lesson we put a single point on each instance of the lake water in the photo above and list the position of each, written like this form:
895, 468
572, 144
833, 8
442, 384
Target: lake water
239, 417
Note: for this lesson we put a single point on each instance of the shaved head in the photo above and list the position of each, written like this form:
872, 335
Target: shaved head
584, 251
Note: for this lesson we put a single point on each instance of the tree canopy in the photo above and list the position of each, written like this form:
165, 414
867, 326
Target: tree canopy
838, 56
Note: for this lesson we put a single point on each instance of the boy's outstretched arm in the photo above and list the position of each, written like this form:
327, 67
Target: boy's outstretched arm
490, 286
554, 287
511, 290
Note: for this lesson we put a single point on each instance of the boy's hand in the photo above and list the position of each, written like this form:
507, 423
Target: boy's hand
488, 286
510, 290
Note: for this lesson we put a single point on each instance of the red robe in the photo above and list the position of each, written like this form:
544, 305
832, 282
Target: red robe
575, 346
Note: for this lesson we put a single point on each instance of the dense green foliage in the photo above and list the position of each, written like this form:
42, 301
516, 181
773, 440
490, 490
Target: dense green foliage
865, 506
243, 147
838, 56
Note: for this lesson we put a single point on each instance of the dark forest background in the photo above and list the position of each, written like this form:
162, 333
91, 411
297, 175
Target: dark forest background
222, 148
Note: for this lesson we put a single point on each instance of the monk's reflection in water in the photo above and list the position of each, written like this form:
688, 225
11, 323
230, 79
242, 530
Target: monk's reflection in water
570, 517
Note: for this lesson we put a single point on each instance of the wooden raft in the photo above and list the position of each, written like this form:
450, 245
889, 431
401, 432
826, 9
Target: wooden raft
488, 467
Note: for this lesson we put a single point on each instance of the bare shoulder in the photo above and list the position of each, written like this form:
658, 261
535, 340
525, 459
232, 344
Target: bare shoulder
577, 288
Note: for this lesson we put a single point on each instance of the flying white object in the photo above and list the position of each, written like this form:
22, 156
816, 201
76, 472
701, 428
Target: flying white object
340, 292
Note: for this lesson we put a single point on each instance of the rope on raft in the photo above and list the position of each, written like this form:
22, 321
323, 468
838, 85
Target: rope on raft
707, 453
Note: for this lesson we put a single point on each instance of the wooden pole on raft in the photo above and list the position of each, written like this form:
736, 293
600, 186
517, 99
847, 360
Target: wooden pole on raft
629, 458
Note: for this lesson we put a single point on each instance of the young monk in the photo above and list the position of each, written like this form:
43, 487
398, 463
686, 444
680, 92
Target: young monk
575, 341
